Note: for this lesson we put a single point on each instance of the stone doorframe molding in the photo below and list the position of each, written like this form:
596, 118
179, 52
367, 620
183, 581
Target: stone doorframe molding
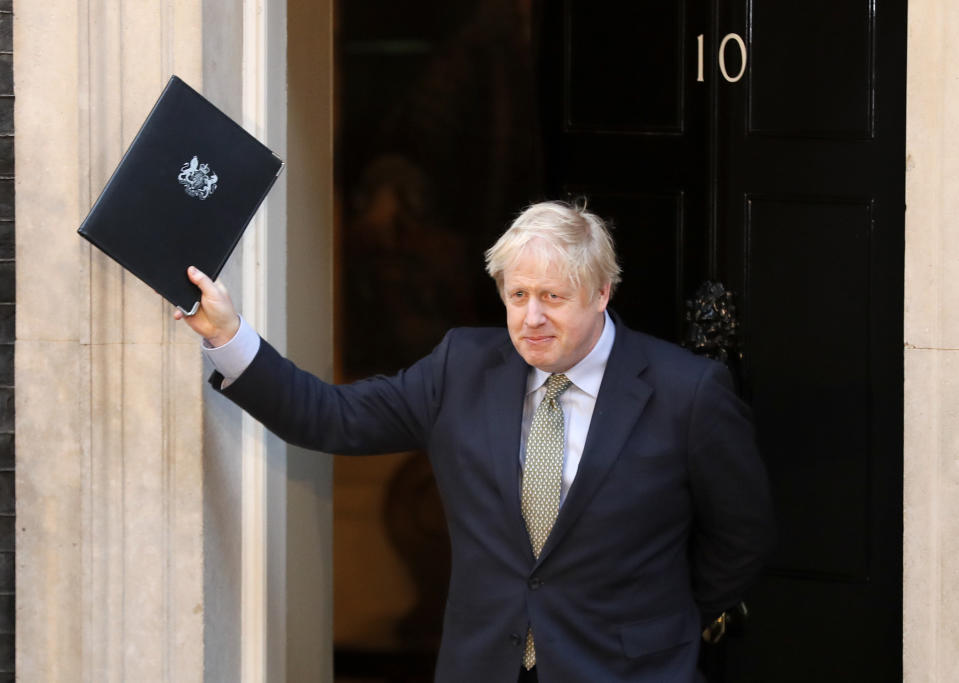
109, 416
931, 355
109, 581
110, 402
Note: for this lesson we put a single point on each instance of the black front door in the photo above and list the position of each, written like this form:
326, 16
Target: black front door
762, 143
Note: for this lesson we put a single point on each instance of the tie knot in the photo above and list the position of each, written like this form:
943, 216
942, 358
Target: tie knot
556, 385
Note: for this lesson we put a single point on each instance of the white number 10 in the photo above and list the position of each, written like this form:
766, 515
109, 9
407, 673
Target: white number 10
722, 57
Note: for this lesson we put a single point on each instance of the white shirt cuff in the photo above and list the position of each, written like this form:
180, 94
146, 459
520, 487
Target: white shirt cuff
235, 356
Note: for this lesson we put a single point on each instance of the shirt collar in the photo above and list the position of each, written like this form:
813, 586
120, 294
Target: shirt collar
587, 374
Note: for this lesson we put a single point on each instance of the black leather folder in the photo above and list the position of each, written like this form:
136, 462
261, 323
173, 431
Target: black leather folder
182, 195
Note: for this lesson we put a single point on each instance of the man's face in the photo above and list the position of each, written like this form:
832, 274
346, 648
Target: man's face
553, 324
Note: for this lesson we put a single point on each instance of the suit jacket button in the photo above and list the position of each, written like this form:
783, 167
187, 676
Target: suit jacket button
535, 583
515, 639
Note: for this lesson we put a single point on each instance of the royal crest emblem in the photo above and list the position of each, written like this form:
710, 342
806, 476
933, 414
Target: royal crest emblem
197, 179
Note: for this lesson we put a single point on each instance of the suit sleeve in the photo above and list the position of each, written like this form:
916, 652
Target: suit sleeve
377, 415
734, 529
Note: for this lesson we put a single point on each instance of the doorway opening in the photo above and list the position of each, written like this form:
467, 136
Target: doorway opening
779, 173
438, 147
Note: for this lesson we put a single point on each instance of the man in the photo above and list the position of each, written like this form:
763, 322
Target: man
602, 488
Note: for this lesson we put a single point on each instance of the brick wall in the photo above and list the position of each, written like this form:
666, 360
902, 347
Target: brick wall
7, 332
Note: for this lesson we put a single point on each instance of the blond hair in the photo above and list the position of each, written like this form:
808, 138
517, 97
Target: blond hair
561, 234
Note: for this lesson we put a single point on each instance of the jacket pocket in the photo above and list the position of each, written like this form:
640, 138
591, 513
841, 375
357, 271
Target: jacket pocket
642, 638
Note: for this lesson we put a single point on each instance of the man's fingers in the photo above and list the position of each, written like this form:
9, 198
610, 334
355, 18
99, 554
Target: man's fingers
217, 320
201, 280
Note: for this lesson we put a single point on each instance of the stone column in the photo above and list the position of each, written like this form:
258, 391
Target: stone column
108, 403
931, 467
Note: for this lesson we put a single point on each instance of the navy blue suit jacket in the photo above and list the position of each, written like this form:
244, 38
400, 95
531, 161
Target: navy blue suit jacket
667, 521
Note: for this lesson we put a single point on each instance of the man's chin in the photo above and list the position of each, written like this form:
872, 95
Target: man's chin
539, 359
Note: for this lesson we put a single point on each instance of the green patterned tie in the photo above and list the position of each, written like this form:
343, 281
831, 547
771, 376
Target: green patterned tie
543, 476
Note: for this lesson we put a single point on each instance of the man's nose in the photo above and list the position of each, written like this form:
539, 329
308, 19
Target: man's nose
534, 314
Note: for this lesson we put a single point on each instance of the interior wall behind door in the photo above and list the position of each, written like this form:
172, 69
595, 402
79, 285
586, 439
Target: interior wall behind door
437, 148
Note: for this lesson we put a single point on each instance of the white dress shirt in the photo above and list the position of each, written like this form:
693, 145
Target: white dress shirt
577, 402
235, 356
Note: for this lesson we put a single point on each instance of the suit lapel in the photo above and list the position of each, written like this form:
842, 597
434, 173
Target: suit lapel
505, 390
621, 399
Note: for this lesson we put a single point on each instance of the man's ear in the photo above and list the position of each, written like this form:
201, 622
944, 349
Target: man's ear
603, 299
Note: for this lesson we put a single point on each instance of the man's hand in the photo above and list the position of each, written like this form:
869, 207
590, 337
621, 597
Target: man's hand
216, 320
